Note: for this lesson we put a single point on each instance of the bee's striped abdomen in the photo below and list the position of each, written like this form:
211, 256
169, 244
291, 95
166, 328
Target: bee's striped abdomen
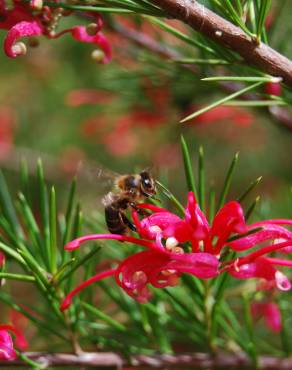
114, 220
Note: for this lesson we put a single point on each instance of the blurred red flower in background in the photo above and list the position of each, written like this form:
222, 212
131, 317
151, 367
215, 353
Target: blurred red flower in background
239, 116
7, 127
78, 97
120, 142
270, 312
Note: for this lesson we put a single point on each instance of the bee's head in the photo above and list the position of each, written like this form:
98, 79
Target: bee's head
148, 186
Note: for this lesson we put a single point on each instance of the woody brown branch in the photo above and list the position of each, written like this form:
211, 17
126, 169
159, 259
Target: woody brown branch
114, 361
282, 115
226, 34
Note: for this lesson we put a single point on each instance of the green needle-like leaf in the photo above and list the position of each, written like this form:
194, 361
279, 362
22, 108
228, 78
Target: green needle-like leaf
250, 330
33, 364
180, 35
32, 228
155, 321
188, 167
264, 9
172, 198
212, 204
69, 212
251, 208
227, 182
200, 61
255, 103
125, 7
44, 211
53, 231
11, 252
7, 206
249, 232
235, 17
242, 79
201, 181
222, 101
81, 262
286, 343
78, 222
35, 269
104, 317
241, 198
24, 178
19, 277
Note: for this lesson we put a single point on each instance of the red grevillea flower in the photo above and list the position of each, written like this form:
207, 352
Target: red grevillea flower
194, 228
270, 312
26, 20
7, 351
190, 245
229, 221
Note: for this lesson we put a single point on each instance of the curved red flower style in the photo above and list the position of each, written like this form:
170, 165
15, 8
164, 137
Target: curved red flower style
27, 20
7, 351
190, 245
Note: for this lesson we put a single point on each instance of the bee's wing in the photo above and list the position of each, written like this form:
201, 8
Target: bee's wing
93, 174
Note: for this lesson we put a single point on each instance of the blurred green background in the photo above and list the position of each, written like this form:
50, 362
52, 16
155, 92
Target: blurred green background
58, 104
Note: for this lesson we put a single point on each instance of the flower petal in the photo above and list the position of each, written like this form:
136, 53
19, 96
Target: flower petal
201, 265
282, 282
272, 317
140, 269
261, 268
167, 224
196, 218
229, 218
7, 351
21, 29
133, 273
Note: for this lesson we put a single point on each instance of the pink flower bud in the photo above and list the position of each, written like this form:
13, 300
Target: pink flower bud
273, 88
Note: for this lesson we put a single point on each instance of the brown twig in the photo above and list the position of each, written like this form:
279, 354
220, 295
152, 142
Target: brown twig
228, 35
112, 360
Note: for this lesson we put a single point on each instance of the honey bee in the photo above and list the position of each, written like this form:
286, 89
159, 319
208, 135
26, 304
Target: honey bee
130, 189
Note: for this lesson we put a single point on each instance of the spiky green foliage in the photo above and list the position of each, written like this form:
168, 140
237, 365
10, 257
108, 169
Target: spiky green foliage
33, 235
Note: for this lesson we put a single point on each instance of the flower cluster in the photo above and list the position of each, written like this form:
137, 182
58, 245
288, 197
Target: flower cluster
191, 245
29, 19
7, 351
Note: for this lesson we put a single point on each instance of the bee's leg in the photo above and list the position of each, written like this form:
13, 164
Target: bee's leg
141, 211
128, 223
